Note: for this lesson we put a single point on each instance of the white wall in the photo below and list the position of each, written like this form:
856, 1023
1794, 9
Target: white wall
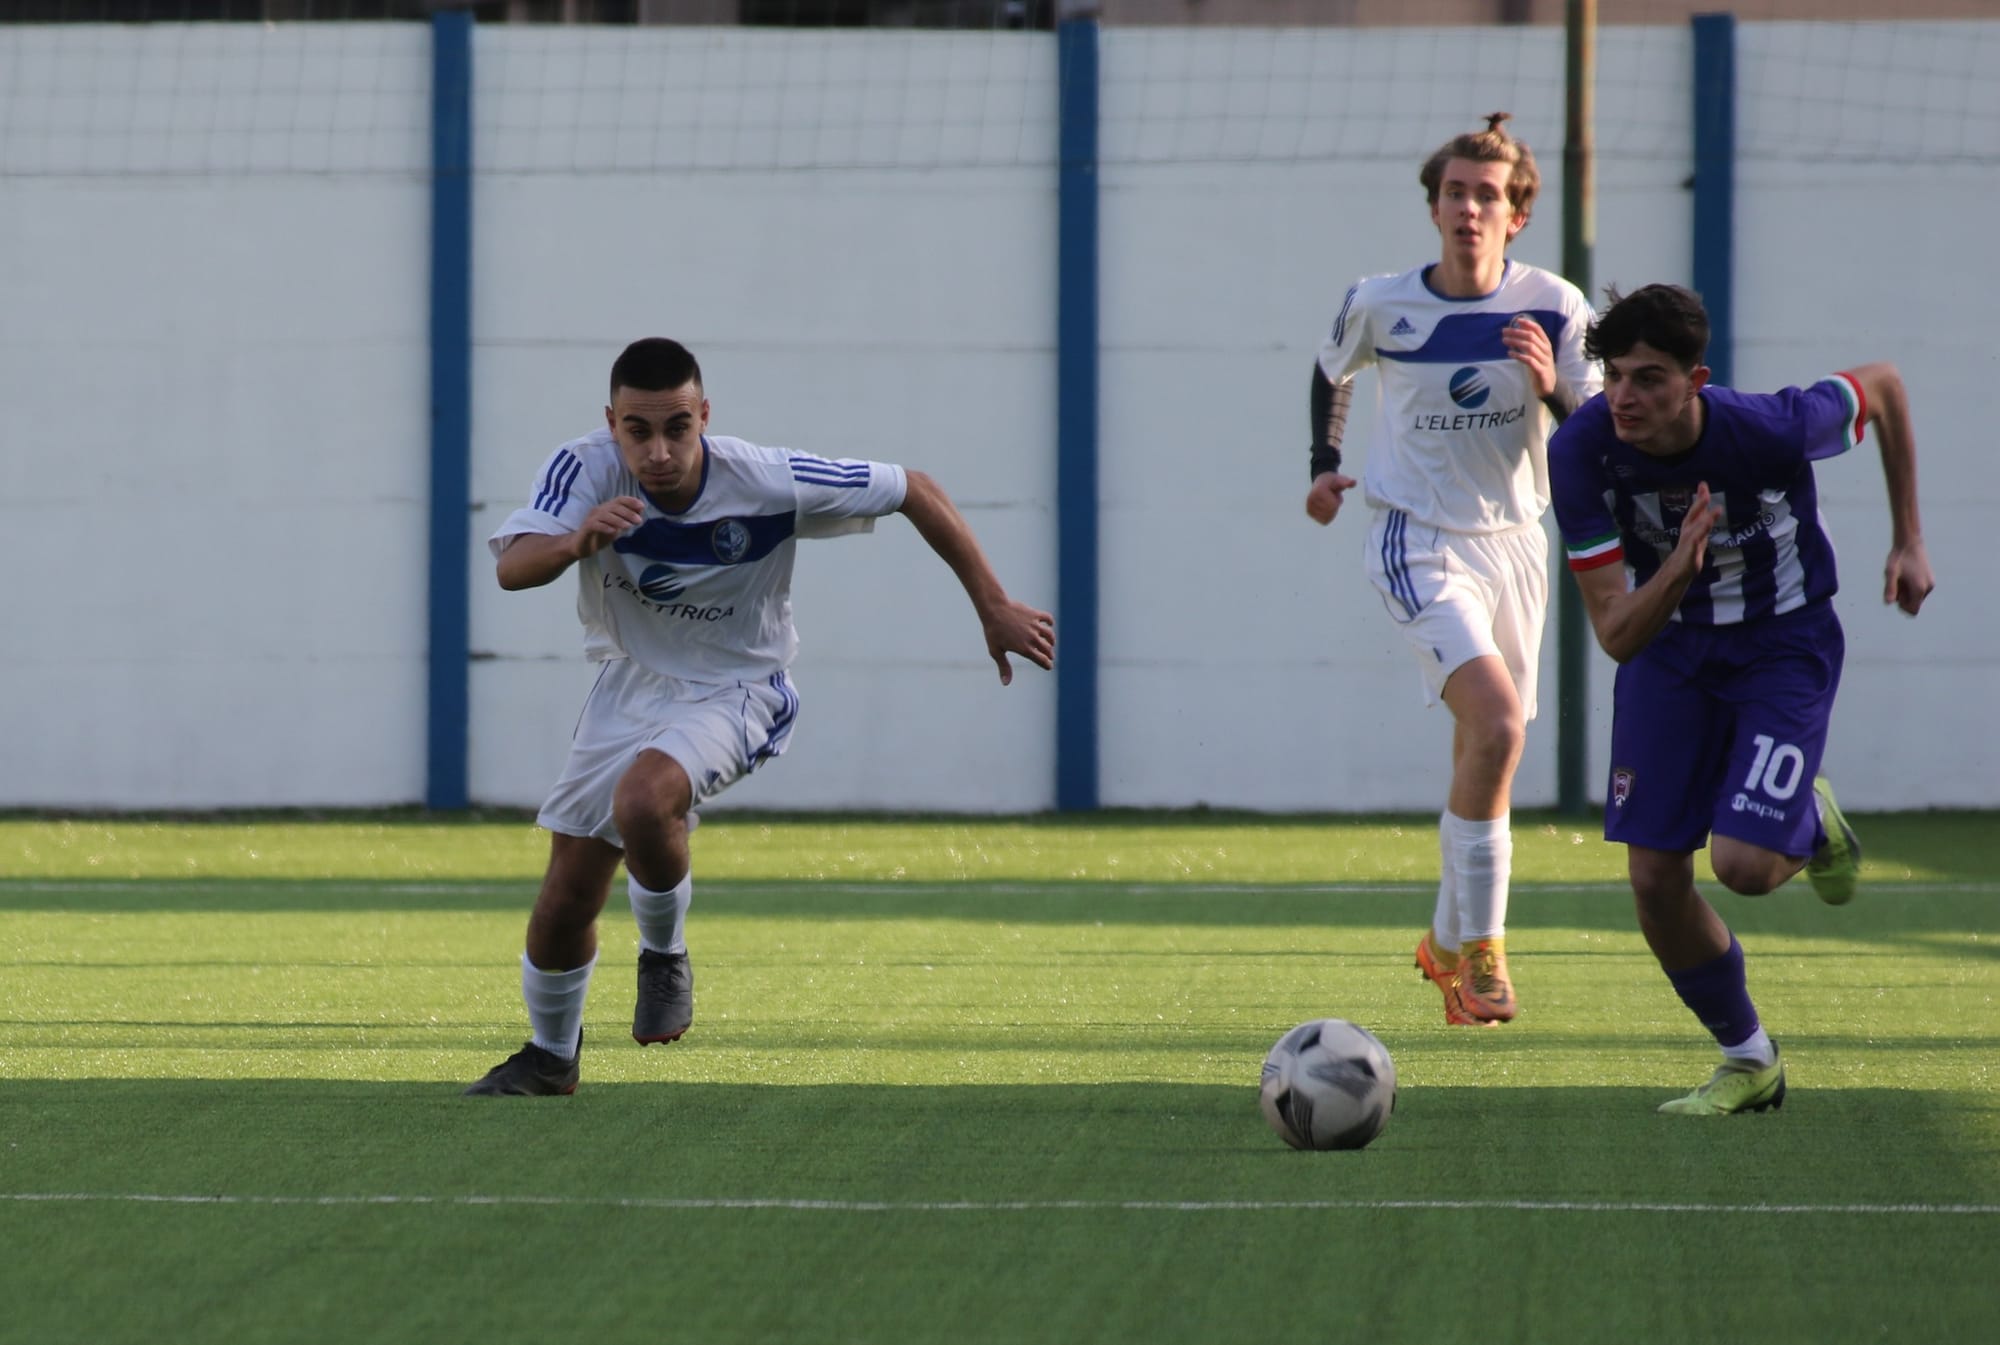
212, 415
1853, 244
214, 418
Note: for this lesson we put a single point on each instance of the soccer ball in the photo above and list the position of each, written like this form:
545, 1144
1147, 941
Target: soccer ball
1328, 1084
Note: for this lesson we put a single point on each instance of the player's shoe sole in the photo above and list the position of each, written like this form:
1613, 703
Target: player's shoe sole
1737, 1086
1446, 980
1485, 992
530, 1072
664, 1009
1835, 868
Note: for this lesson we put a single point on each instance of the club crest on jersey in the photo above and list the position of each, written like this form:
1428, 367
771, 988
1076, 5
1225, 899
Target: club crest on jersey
1621, 787
731, 541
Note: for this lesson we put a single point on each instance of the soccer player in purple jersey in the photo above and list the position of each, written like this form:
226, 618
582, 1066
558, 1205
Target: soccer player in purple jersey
1721, 620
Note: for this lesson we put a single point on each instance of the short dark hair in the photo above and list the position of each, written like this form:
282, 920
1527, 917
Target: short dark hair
1492, 145
654, 364
1666, 317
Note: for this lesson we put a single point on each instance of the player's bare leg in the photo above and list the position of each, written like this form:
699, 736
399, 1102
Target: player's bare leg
1680, 926
562, 931
1750, 870
556, 969
1489, 732
652, 808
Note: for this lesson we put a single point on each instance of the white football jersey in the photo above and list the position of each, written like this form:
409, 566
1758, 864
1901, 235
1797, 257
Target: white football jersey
705, 594
1461, 440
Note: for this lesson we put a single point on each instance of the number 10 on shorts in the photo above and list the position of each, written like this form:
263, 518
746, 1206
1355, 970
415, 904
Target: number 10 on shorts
1778, 768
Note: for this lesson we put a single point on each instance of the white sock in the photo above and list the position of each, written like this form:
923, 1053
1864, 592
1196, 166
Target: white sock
555, 1005
1755, 1048
661, 916
1482, 858
1444, 920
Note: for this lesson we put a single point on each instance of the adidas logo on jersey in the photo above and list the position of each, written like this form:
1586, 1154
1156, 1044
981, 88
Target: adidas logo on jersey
1402, 328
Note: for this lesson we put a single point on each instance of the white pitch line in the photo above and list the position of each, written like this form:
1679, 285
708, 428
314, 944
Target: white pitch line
1004, 1206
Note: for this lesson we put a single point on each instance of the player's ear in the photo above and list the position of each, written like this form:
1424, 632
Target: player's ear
612, 424
1699, 376
704, 413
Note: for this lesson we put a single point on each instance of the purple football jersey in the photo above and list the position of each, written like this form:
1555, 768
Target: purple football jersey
1769, 553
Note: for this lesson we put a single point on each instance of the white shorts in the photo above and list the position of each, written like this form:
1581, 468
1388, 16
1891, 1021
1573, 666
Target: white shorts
717, 732
1460, 596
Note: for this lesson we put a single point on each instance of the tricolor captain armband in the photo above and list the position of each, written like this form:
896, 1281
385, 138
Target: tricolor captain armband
1857, 406
1598, 551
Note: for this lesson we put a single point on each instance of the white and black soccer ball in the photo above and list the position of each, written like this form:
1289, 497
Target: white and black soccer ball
1328, 1084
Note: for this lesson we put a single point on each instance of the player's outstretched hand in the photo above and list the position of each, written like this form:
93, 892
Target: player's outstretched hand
1692, 549
1016, 628
1529, 344
1323, 500
606, 523
1908, 577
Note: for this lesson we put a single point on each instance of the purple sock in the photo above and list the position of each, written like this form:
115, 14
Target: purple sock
1717, 993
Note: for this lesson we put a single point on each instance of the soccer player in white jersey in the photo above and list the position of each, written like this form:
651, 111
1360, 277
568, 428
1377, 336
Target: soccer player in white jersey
683, 545
1477, 356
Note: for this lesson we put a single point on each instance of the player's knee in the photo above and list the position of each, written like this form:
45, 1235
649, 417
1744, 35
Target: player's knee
1750, 872
1498, 740
1662, 885
652, 797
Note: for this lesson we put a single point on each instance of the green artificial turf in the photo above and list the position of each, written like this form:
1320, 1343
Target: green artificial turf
969, 1081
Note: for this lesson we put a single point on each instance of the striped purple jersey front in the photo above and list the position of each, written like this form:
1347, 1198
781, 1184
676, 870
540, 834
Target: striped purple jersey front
1769, 553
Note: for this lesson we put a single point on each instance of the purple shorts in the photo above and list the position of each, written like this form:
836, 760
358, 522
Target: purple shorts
1721, 728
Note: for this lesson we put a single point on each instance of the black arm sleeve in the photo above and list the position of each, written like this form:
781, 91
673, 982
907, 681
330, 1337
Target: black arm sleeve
1329, 420
1562, 401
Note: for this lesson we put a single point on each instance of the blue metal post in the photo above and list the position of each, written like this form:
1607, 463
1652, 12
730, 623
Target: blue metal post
1076, 416
451, 408
1715, 185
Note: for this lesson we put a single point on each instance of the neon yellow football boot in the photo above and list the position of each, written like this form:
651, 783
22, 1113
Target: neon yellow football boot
1835, 868
1736, 1087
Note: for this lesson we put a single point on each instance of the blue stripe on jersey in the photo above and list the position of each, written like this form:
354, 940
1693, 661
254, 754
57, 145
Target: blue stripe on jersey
1340, 323
826, 472
781, 723
1396, 561
1468, 338
556, 483
725, 541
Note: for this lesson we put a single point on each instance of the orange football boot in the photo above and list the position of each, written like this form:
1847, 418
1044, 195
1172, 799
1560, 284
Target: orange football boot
1483, 990
1441, 969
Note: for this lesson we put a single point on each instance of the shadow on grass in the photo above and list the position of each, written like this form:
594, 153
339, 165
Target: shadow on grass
1106, 1142
310, 1211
